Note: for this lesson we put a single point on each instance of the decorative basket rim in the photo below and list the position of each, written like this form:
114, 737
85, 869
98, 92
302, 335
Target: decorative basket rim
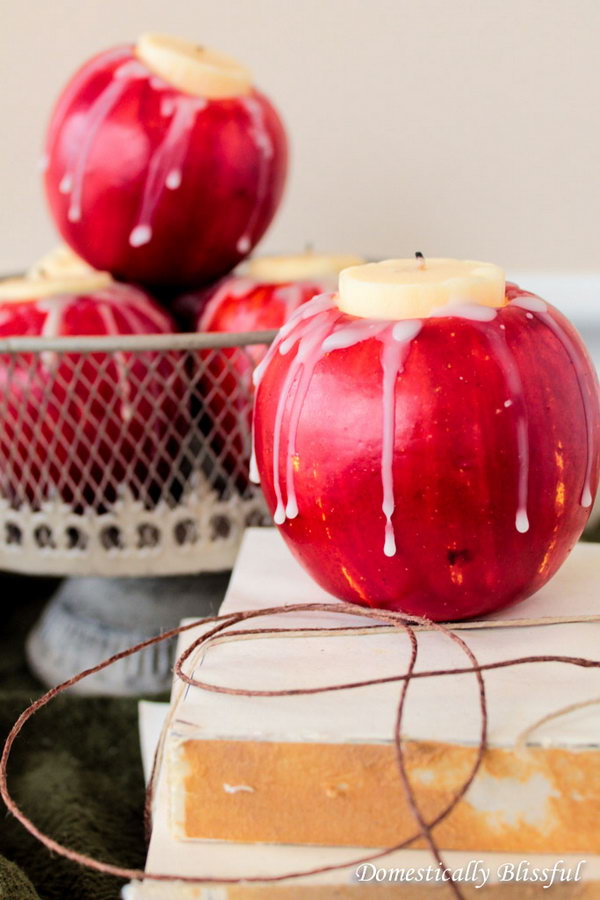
136, 342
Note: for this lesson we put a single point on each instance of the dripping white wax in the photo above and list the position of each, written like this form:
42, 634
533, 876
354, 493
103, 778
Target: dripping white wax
537, 308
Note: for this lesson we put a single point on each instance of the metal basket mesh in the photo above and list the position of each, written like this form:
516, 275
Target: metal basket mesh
126, 456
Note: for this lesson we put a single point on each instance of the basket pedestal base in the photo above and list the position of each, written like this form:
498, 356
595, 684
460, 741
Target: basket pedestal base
89, 619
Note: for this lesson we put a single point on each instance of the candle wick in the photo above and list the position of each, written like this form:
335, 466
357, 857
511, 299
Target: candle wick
420, 260
309, 248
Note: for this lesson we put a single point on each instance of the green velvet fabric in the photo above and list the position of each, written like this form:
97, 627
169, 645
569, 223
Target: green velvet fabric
75, 771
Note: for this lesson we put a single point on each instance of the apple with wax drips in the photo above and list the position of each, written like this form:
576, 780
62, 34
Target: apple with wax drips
165, 165
82, 426
268, 291
428, 438
262, 298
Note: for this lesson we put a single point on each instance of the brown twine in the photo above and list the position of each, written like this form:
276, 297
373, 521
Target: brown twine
395, 622
551, 717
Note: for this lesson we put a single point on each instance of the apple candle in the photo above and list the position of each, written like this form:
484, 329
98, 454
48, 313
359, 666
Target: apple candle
307, 266
202, 176
410, 288
395, 426
79, 426
262, 297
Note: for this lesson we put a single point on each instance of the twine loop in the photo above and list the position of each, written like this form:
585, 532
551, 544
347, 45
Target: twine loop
221, 632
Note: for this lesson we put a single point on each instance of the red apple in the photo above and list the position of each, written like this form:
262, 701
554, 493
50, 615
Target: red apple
81, 426
165, 166
263, 299
442, 467
242, 304
226, 393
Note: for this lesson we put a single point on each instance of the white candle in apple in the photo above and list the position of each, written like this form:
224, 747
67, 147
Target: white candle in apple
412, 288
193, 68
20, 289
307, 266
58, 263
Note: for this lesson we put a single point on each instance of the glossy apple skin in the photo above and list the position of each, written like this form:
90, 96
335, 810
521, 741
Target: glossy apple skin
455, 466
239, 305
83, 428
109, 133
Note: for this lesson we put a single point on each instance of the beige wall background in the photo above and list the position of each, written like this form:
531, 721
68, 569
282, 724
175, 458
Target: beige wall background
457, 127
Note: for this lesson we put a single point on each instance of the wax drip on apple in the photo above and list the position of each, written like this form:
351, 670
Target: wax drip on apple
72, 181
316, 329
295, 389
165, 170
320, 304
475, 313
234, 287
538, 309
290, 295
516, 401
396, 339
55, 308
66, 183
111, 304
264, 144
115, 301
124, 382
319, 328
393, 357
253, 474
472, 311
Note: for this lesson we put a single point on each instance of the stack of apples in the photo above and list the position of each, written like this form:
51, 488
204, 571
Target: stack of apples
163, 168
440, 461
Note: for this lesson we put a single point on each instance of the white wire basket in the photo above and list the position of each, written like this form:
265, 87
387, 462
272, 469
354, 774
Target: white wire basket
127, 456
